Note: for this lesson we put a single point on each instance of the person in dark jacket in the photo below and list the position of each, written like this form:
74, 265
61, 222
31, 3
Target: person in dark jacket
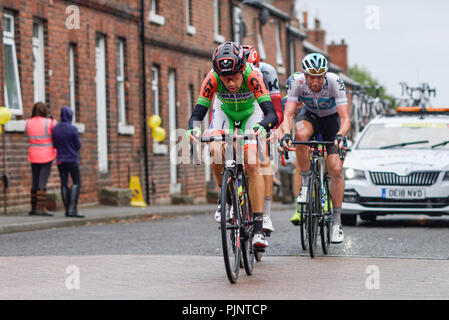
67, 142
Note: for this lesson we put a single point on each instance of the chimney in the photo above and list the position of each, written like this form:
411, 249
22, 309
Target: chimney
304, 17
317, 35
339, 55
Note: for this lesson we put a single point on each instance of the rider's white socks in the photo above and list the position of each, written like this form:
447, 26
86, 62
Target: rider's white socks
336, 217
267, 207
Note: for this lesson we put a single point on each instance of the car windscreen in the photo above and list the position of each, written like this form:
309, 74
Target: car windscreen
406, 135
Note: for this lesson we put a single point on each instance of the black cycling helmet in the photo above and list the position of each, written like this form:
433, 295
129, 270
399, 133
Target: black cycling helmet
229, 58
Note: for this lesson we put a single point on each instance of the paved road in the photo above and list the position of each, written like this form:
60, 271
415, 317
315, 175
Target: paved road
391, 236
180, 258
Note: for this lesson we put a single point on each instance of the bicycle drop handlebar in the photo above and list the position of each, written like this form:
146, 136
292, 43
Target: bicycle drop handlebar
227, 138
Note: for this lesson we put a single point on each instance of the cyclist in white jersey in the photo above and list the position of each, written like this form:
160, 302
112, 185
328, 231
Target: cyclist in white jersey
325, 109
271, 81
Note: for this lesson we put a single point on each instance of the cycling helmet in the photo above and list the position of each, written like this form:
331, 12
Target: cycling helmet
228, 59
290, 79
252, 56
315, 64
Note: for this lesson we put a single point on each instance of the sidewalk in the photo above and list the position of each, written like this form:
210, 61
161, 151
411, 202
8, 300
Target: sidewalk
104, 214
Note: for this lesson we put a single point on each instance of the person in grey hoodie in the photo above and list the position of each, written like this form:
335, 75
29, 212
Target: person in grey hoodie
67, 142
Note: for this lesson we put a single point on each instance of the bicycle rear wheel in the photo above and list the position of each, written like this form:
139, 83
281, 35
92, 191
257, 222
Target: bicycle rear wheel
325, 225
230, 226
248, 254
313, 216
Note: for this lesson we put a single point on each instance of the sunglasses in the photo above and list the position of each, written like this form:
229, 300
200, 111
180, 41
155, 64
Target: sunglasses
320, 71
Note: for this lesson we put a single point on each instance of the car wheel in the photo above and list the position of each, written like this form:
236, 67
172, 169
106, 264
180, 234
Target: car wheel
368, 217
348, 219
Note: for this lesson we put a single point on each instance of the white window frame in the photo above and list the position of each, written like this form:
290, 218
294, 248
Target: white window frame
237, 21
8, 39
121, 101
279, 55
217, 36
190, 28
123, 127
261, 47
153, 16
292, 57
39, 63
155, 89
72, 80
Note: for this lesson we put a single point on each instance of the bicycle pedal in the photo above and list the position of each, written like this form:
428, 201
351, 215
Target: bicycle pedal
267, 232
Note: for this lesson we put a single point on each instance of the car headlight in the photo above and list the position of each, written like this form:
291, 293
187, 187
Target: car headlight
354, 174
446, 176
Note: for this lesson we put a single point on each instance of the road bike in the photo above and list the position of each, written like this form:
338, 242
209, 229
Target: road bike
237, 224
316, 212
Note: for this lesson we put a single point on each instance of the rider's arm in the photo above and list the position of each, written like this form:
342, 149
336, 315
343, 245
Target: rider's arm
342, 107
208, 89
289, 111
271, 81
345, 119
256, 84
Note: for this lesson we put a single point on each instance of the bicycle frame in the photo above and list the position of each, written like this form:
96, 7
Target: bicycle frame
318, 183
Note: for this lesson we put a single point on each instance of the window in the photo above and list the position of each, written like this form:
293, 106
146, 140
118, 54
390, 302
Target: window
292, 64
154, 17
279, 57
261, 47
121, 94
72, 79
190, 28
38, 61
13, 95
155, 89
217, 22
237, 22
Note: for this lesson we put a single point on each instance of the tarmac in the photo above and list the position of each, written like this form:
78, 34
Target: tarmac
23, 222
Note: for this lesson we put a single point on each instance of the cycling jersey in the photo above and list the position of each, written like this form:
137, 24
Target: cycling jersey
271, 81
323, 103
237, 106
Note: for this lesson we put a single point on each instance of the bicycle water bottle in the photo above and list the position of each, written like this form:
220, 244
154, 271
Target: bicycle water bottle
240, 191
324, 199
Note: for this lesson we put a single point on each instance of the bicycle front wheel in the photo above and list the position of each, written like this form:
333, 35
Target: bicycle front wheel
325, 226
313, 214
248, 254
230, 226
304, 227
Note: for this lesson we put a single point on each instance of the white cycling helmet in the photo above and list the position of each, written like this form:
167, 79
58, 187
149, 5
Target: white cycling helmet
315, 64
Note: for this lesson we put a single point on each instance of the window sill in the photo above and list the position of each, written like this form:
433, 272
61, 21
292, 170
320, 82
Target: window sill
281, 70
157, 19
126, 130
15, 126
191, 30
218, 38
80, 126
158, 148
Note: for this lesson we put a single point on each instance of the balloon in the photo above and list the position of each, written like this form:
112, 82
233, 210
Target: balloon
159, 134
5, 115
154, 121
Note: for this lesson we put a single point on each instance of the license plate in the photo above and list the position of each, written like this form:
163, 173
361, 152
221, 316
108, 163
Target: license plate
400, 193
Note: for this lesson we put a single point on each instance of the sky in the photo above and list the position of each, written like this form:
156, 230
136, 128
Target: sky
395, 40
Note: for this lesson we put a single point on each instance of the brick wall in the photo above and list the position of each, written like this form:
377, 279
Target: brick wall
168, 45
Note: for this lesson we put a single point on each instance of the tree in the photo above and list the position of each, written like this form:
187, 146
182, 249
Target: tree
364, 77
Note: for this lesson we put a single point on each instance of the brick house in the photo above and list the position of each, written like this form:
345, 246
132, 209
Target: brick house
87, 54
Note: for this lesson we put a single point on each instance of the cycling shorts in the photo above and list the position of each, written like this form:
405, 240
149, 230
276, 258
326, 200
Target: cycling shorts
328, 126
223, 123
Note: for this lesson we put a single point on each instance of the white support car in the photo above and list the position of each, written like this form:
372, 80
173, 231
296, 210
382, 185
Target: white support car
399, 164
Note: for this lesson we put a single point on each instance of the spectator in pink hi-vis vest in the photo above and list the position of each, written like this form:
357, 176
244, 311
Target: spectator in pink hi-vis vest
41, 153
